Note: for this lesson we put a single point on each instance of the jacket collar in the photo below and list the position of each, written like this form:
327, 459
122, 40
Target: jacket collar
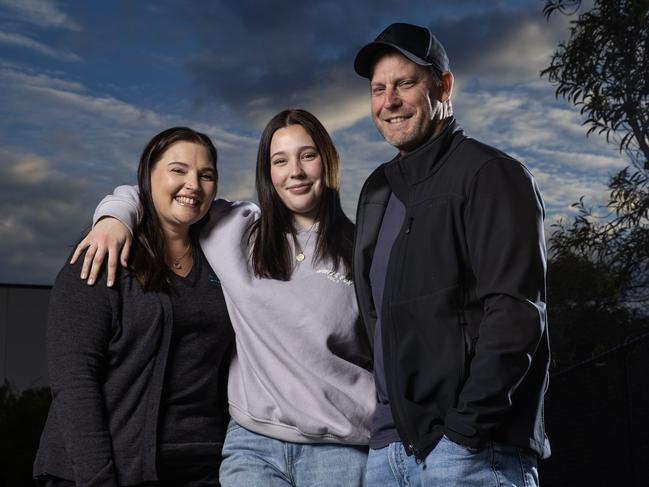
425, 160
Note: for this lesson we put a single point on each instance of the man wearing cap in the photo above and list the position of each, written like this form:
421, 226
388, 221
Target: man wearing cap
449, 268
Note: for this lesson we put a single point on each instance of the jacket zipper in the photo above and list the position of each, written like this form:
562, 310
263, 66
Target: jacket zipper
410, 220
465, 335
395, 406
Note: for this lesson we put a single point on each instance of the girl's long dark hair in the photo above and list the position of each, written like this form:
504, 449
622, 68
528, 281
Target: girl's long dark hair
271, 253
148, 253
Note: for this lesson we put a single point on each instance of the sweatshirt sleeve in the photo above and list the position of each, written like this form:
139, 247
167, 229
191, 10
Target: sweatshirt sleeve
79, 329
506, 245
123, 204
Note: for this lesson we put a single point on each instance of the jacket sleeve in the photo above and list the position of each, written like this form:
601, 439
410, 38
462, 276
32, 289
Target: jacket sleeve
506, 246
79, 329
123, 204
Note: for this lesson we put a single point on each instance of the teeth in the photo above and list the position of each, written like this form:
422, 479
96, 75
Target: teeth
185, 200
396, 119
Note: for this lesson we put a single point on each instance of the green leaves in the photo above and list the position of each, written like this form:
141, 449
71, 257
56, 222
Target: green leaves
567, 7
603, 68
598, 277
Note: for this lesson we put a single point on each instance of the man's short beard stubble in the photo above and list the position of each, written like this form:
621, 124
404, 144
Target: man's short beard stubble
414, 140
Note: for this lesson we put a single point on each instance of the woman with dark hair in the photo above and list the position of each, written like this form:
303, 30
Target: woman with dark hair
138, 371
300, 388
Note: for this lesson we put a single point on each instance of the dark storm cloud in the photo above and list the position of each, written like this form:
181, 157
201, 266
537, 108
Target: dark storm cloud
258, 64
252, 58
44, 213
502, 44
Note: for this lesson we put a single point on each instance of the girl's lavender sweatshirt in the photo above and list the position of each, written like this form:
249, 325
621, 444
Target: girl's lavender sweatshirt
301, 369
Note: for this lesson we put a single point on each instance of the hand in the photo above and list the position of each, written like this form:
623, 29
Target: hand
109, 235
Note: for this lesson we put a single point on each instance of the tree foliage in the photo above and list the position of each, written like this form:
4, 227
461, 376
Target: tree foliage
567, 7
603, 69
598, 70
599, 269
617, 240
586, 312
22, 417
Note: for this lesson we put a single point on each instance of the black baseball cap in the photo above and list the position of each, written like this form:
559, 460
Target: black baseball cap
416, 43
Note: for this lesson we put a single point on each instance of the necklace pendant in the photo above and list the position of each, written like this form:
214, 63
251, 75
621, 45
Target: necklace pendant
177, 261
299, 257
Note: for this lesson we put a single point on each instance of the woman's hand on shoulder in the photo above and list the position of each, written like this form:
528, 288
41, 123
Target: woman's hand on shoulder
109, 236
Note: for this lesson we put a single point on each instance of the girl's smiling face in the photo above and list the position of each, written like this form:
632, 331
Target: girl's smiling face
296, 172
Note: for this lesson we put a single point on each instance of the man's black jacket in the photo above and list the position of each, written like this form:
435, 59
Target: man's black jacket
463, 316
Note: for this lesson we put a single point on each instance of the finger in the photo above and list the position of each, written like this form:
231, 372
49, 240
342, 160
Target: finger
112, 267
126, 250
84, 244
87, 261
97, 261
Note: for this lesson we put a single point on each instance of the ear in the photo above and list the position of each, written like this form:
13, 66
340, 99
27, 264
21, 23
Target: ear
447, 86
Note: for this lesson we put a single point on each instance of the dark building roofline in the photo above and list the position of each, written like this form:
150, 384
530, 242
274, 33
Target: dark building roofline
26, 286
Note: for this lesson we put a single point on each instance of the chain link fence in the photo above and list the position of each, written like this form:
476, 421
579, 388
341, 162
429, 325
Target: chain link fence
597, 418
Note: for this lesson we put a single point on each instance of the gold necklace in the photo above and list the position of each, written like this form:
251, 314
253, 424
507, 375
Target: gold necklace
176, 263
300, 254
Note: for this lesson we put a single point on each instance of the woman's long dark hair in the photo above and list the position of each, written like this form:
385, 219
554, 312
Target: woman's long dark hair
148, 253
271, 253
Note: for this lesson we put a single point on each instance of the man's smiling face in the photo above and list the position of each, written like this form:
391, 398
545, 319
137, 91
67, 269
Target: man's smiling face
405, 101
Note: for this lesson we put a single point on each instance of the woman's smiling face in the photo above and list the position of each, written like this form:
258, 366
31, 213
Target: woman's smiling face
183, 185
296, 172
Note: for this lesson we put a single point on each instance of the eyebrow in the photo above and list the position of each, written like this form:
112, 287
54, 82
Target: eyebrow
184, 164
300, 149
414, 77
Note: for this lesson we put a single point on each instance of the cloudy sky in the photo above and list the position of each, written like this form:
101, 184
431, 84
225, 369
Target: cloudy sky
84, 85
